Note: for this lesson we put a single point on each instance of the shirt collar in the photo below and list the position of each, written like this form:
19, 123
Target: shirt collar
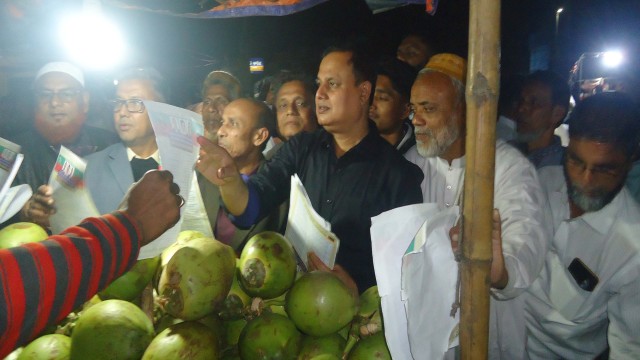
155, 155
369, 146
603, 219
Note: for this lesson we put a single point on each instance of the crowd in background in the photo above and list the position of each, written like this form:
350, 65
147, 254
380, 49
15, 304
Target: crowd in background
368, 136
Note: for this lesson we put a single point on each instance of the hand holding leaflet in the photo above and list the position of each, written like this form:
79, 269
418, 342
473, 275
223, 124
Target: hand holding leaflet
11, 198
307, 230
71, 198
176, 131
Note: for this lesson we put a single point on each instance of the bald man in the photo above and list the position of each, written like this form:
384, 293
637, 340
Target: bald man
247, 125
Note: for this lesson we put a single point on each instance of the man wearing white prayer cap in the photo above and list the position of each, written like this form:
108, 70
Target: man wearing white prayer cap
61, 107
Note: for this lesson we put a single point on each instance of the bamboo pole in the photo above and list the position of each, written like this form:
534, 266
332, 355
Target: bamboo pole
481, 96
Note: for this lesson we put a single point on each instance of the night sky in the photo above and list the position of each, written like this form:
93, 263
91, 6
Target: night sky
185, 50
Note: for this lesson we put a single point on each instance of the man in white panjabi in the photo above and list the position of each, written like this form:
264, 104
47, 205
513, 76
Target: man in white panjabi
438, 106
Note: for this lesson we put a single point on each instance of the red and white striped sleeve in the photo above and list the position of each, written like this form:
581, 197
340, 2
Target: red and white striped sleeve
42, 282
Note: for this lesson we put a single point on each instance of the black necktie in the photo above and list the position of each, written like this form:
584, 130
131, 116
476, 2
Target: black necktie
141, 166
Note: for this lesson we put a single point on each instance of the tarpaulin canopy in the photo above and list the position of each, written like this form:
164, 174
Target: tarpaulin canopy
242, 8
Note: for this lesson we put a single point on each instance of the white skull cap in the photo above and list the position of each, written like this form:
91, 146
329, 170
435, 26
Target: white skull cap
63, 67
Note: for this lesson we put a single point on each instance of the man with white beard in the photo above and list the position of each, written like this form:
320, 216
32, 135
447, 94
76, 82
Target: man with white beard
438, 106
587, 297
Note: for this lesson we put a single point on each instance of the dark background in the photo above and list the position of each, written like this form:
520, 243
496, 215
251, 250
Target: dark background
186, 49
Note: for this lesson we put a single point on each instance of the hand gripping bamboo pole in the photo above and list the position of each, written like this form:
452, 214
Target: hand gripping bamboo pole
481, 96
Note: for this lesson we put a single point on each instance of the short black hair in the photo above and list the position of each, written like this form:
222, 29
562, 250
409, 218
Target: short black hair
160, 85
611, 118
559, 87
401, 74
363, 68
284, 77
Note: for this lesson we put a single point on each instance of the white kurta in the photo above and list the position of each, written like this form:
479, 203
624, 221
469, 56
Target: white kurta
562, 319
519, 198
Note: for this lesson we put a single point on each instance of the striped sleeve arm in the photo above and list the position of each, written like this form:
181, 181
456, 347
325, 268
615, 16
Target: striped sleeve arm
40, 283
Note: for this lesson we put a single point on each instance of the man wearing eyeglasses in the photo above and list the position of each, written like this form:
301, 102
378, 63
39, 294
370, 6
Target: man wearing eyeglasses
61, 107
587, 296
110, 172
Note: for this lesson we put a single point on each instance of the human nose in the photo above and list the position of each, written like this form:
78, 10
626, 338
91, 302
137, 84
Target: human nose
417, 119
292, 109
321, 93
54, 99
222, 132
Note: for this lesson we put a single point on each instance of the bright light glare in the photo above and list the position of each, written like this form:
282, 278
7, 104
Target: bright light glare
612, 58
92, 41
559, 11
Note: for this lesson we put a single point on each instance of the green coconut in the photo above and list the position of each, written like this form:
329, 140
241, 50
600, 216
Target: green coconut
14, 354
267, 265
130, 285
330, 345
319, 303
370, 348
197, 278
47, 347
369, 317
183, 237
187, 340
111, 329
235, 302
269, 336
21, 233
233, 329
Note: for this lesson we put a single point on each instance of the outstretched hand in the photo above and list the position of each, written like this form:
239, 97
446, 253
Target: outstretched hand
40, 207
499, 273
215, 163
316, 264
154, 202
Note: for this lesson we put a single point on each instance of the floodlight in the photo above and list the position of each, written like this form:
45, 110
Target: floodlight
612, 59
90, 39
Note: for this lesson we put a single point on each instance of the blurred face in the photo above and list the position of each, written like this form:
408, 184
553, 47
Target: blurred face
134, 127
413, 51
215, 100
535, 112
437, 116
295, 110
238, 133
388, 109
595, 173
340, 102
61, 107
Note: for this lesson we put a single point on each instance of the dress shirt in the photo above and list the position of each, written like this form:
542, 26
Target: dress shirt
519, 198
565, 321
370, 178
633, 181
548, 155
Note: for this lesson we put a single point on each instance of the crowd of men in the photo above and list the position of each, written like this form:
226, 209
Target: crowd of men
366, 138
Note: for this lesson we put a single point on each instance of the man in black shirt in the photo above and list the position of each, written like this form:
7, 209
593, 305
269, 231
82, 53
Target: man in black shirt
350, 173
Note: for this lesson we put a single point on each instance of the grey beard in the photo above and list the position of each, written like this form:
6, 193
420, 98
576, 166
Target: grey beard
590, 203
437, 147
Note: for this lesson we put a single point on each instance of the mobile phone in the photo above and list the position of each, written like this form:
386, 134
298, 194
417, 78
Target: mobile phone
584, 277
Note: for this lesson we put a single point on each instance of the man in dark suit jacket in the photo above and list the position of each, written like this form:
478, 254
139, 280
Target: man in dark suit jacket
110, 172
60, 113
247, 124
